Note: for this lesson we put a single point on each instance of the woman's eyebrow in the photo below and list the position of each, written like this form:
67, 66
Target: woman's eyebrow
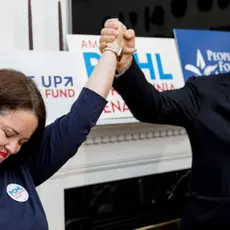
8, 127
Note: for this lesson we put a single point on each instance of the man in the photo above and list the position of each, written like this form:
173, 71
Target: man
202, 107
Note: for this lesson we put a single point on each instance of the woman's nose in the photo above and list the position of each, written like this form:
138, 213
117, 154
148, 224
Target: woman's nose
3, 139
12, 147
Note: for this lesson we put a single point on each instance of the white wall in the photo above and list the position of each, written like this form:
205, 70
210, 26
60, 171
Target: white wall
14, 23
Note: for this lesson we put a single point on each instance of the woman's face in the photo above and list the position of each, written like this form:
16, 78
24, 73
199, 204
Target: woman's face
16, 128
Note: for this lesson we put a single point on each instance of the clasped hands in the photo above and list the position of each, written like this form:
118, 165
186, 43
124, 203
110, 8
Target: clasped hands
116, 32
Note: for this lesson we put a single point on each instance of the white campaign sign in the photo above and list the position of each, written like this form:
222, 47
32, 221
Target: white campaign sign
56, 74
61, 75
157, 58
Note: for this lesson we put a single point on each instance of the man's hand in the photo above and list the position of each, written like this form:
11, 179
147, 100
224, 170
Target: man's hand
110, 33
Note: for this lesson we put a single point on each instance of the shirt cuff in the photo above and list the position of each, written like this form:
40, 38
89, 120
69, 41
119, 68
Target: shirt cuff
117, 75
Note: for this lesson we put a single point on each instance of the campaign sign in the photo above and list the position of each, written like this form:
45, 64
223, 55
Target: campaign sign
157, 57
55, 73
203, 52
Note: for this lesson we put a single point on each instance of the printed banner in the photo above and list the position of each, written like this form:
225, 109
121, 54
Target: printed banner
56, 74
203, 52
157, 57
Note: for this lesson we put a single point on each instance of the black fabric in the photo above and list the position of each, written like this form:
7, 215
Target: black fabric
202, 107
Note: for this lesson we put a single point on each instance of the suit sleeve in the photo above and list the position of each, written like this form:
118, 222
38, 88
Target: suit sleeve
172, 107
63, 137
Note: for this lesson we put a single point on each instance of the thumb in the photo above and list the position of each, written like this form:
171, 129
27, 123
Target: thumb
129, 34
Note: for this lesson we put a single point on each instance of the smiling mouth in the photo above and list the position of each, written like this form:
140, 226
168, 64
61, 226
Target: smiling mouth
2, 154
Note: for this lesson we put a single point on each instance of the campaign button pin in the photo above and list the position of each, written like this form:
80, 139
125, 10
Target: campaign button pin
17, 192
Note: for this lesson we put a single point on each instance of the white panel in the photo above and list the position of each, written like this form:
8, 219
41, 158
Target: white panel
21, 33
38, 24
7, 10
45, 24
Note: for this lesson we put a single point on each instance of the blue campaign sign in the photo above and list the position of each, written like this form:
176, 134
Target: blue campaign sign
203, 52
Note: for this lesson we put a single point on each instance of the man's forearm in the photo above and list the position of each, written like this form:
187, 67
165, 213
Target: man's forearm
124, 64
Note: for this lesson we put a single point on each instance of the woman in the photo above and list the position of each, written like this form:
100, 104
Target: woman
31, 153
202, 107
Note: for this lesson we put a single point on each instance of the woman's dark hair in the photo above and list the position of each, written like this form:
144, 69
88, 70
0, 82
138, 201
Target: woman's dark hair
17, 91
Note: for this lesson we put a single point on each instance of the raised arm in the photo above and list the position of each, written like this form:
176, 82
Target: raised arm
174, 107
62, 138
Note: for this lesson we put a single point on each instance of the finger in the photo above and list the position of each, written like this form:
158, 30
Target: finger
102, 46
107, 38
121, 27
112, 19
111, 23
109, 32
124, 27
128, 50
129, 34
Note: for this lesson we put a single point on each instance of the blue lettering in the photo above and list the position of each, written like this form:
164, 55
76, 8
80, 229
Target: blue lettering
89, 56
16, 190
57, 81
88, 64
148, 65
163, 76
49, 82
69, 80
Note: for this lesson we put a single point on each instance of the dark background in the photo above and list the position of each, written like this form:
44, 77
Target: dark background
151, 17
126, 204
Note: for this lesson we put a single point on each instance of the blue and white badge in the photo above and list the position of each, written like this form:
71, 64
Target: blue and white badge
17, 192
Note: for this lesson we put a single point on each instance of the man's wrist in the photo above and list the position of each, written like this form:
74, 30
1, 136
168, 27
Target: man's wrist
124, 65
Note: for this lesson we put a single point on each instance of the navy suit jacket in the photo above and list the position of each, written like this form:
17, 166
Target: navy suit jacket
202, 107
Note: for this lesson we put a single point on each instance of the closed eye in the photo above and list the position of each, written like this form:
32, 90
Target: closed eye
7, 134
